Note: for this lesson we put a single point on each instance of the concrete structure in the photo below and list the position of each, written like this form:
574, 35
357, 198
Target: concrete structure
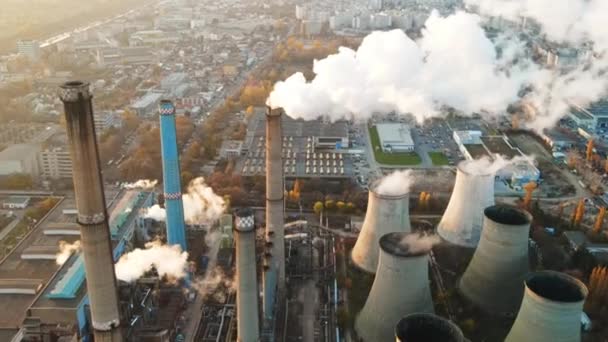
385, 214
500, 262
248, 328
20, 158
395, 137
551, 309
92, 213
401, 287
461, 223
145, 105
274, 275
16, 202
55, 163
176, 227
427, 328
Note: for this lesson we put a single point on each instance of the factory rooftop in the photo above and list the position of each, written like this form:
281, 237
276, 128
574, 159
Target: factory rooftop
31, 265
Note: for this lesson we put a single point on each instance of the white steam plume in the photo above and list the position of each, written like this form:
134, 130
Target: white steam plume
65, 250
201, 205
487, 166
420, 242
168, 261
395, 184
214, 279
141, 184
454, 64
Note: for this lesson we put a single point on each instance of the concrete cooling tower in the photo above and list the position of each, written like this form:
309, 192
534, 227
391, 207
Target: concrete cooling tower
248, 329
385, 214
401, 287
551, 309
500, 262
427, 328
473, 191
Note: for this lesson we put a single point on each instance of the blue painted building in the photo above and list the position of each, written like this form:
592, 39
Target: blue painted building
176, 227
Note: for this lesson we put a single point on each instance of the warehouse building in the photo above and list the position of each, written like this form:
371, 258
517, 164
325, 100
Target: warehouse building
395, 137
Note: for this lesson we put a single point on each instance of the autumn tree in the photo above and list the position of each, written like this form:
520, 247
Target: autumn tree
318, 208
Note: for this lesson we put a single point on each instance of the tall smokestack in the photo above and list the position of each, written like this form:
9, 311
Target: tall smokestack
274, 275
385, 214
551, 309
427, 328
176, 228
462, 221
500, 262
248, 329
401, 287
92, 214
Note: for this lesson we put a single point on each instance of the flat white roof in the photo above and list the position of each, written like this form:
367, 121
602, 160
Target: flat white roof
394, 134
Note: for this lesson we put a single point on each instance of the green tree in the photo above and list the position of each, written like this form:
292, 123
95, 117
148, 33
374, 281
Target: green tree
318, 208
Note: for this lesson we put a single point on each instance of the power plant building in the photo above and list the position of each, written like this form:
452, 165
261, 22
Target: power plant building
395, 137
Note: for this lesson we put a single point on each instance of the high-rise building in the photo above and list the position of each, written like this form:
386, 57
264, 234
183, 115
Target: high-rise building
55, 163
29, 48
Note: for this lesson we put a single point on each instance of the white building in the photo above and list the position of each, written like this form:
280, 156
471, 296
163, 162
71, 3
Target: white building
56, 163
20, 158
29, 48
395, 137
16, 202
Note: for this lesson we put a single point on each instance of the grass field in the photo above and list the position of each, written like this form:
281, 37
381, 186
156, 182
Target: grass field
410, 158
438, 158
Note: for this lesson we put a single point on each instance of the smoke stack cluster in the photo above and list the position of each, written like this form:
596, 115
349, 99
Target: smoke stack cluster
427, 328
500, 263
461, 223
248, 329
274, 263
551, 309
401, 287
176, 227
385, 214
92, 214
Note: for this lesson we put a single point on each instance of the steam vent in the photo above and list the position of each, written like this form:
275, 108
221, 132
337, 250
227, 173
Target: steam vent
551, 309
462, 221
401, 287
385, 214
427, 328
92, 215
500, 263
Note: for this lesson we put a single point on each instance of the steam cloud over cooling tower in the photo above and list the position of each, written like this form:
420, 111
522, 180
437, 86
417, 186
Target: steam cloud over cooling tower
401, 287
427, 328
387, 212
92, 214
551, 309
500, 262
452, 65
461, 223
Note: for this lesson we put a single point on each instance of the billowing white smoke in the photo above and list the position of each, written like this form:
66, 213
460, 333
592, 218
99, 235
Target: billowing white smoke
417, 243
141, 184
487, 166
168, 261
201, 205
214, 280
453, 64
65, 250
395, 184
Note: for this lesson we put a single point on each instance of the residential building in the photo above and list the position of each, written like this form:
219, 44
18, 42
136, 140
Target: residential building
20, 158
56, 163
29, 48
